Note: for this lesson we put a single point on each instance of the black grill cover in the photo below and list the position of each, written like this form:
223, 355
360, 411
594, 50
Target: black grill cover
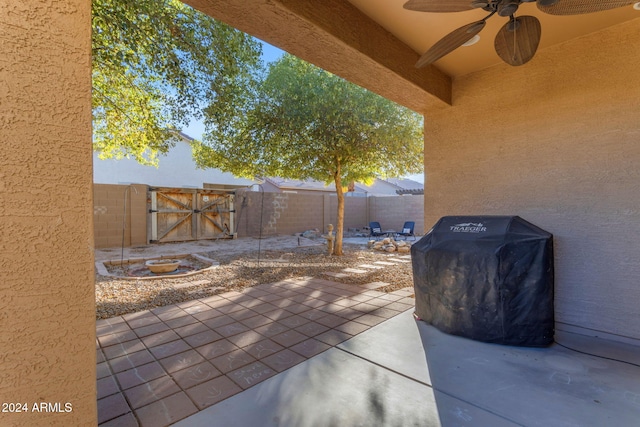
488, 278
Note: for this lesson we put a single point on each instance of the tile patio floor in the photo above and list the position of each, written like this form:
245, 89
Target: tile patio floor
157, 367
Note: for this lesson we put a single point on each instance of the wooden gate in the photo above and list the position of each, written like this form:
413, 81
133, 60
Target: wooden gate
183, 214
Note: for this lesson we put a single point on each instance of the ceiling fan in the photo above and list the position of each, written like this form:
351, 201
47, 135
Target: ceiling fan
517, 41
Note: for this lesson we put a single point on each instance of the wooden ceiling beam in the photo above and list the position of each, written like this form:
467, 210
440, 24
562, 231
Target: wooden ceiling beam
336, 36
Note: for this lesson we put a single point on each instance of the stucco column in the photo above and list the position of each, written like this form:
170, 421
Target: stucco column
47, 302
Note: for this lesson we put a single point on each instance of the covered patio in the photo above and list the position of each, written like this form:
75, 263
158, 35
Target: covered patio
554, 141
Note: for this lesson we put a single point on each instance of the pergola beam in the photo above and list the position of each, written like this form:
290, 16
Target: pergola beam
336, 36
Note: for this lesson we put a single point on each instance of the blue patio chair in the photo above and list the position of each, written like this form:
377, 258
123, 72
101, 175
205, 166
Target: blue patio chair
375, 230
407, 230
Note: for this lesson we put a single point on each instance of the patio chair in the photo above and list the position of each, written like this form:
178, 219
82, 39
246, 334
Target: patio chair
407, 230
375, 230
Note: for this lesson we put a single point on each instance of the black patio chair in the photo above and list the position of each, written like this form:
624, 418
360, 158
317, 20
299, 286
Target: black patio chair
407, 230
375, 230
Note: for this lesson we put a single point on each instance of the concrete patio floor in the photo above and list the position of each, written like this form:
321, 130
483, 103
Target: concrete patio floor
406, 373
314, 353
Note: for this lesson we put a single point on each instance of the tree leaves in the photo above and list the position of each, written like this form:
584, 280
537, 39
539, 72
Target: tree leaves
306, 123
156, 65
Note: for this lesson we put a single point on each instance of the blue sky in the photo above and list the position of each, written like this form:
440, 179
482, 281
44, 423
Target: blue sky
269, 54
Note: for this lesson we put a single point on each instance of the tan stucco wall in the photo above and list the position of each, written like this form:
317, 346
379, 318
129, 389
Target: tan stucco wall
47, 315
556, 141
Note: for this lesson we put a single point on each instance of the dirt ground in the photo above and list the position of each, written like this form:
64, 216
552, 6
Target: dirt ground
115, 297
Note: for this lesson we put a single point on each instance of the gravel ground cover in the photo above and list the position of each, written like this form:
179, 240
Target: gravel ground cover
115, 297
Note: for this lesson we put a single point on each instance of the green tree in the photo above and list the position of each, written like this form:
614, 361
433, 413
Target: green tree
307, 123
156, 65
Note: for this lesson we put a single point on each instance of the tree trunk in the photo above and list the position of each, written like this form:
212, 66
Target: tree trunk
337, 248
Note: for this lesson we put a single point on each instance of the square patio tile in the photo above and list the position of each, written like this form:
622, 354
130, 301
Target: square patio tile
315, 303
263, 348
232, 361
205, 337
123, 349
251, 375
312, 329
265, 307
160, 338
398, 306
215, 349
333, 337
278, 314
216, 322
139, 375
143, 321
116, 338
297, 308
108, 329
293, 321
353, 328
349, 313
331, 320
173, 314
181, 361
289, 338
169, 349
374, 293
378, 302
245, 313
129, 361
211, 299
196, 374
364, 307
112, 407
195, 307
207, 314
180, 321
255, 321
166, 411
213, 391
102, 370
271, 329
246, 338
192, 329
230, 308
269, 298
231, 329
151, 329
359, 298
313, 314
283, 360
370, 319
126, 420
384, 312
151, 391
310, 348
107, 386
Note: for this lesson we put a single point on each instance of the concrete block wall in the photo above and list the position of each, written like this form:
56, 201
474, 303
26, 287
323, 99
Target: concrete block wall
289, 213
279, 213
109, 211
392, 212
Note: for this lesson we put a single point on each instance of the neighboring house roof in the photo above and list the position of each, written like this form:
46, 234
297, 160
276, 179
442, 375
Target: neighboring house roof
295, 185
380, 187
177, 168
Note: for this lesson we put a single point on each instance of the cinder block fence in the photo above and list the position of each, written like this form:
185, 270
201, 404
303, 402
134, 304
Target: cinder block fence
121, 213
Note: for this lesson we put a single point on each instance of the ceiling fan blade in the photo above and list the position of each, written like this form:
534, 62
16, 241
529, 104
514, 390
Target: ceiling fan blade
450, 42
438, 6
578, 7
517, 41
